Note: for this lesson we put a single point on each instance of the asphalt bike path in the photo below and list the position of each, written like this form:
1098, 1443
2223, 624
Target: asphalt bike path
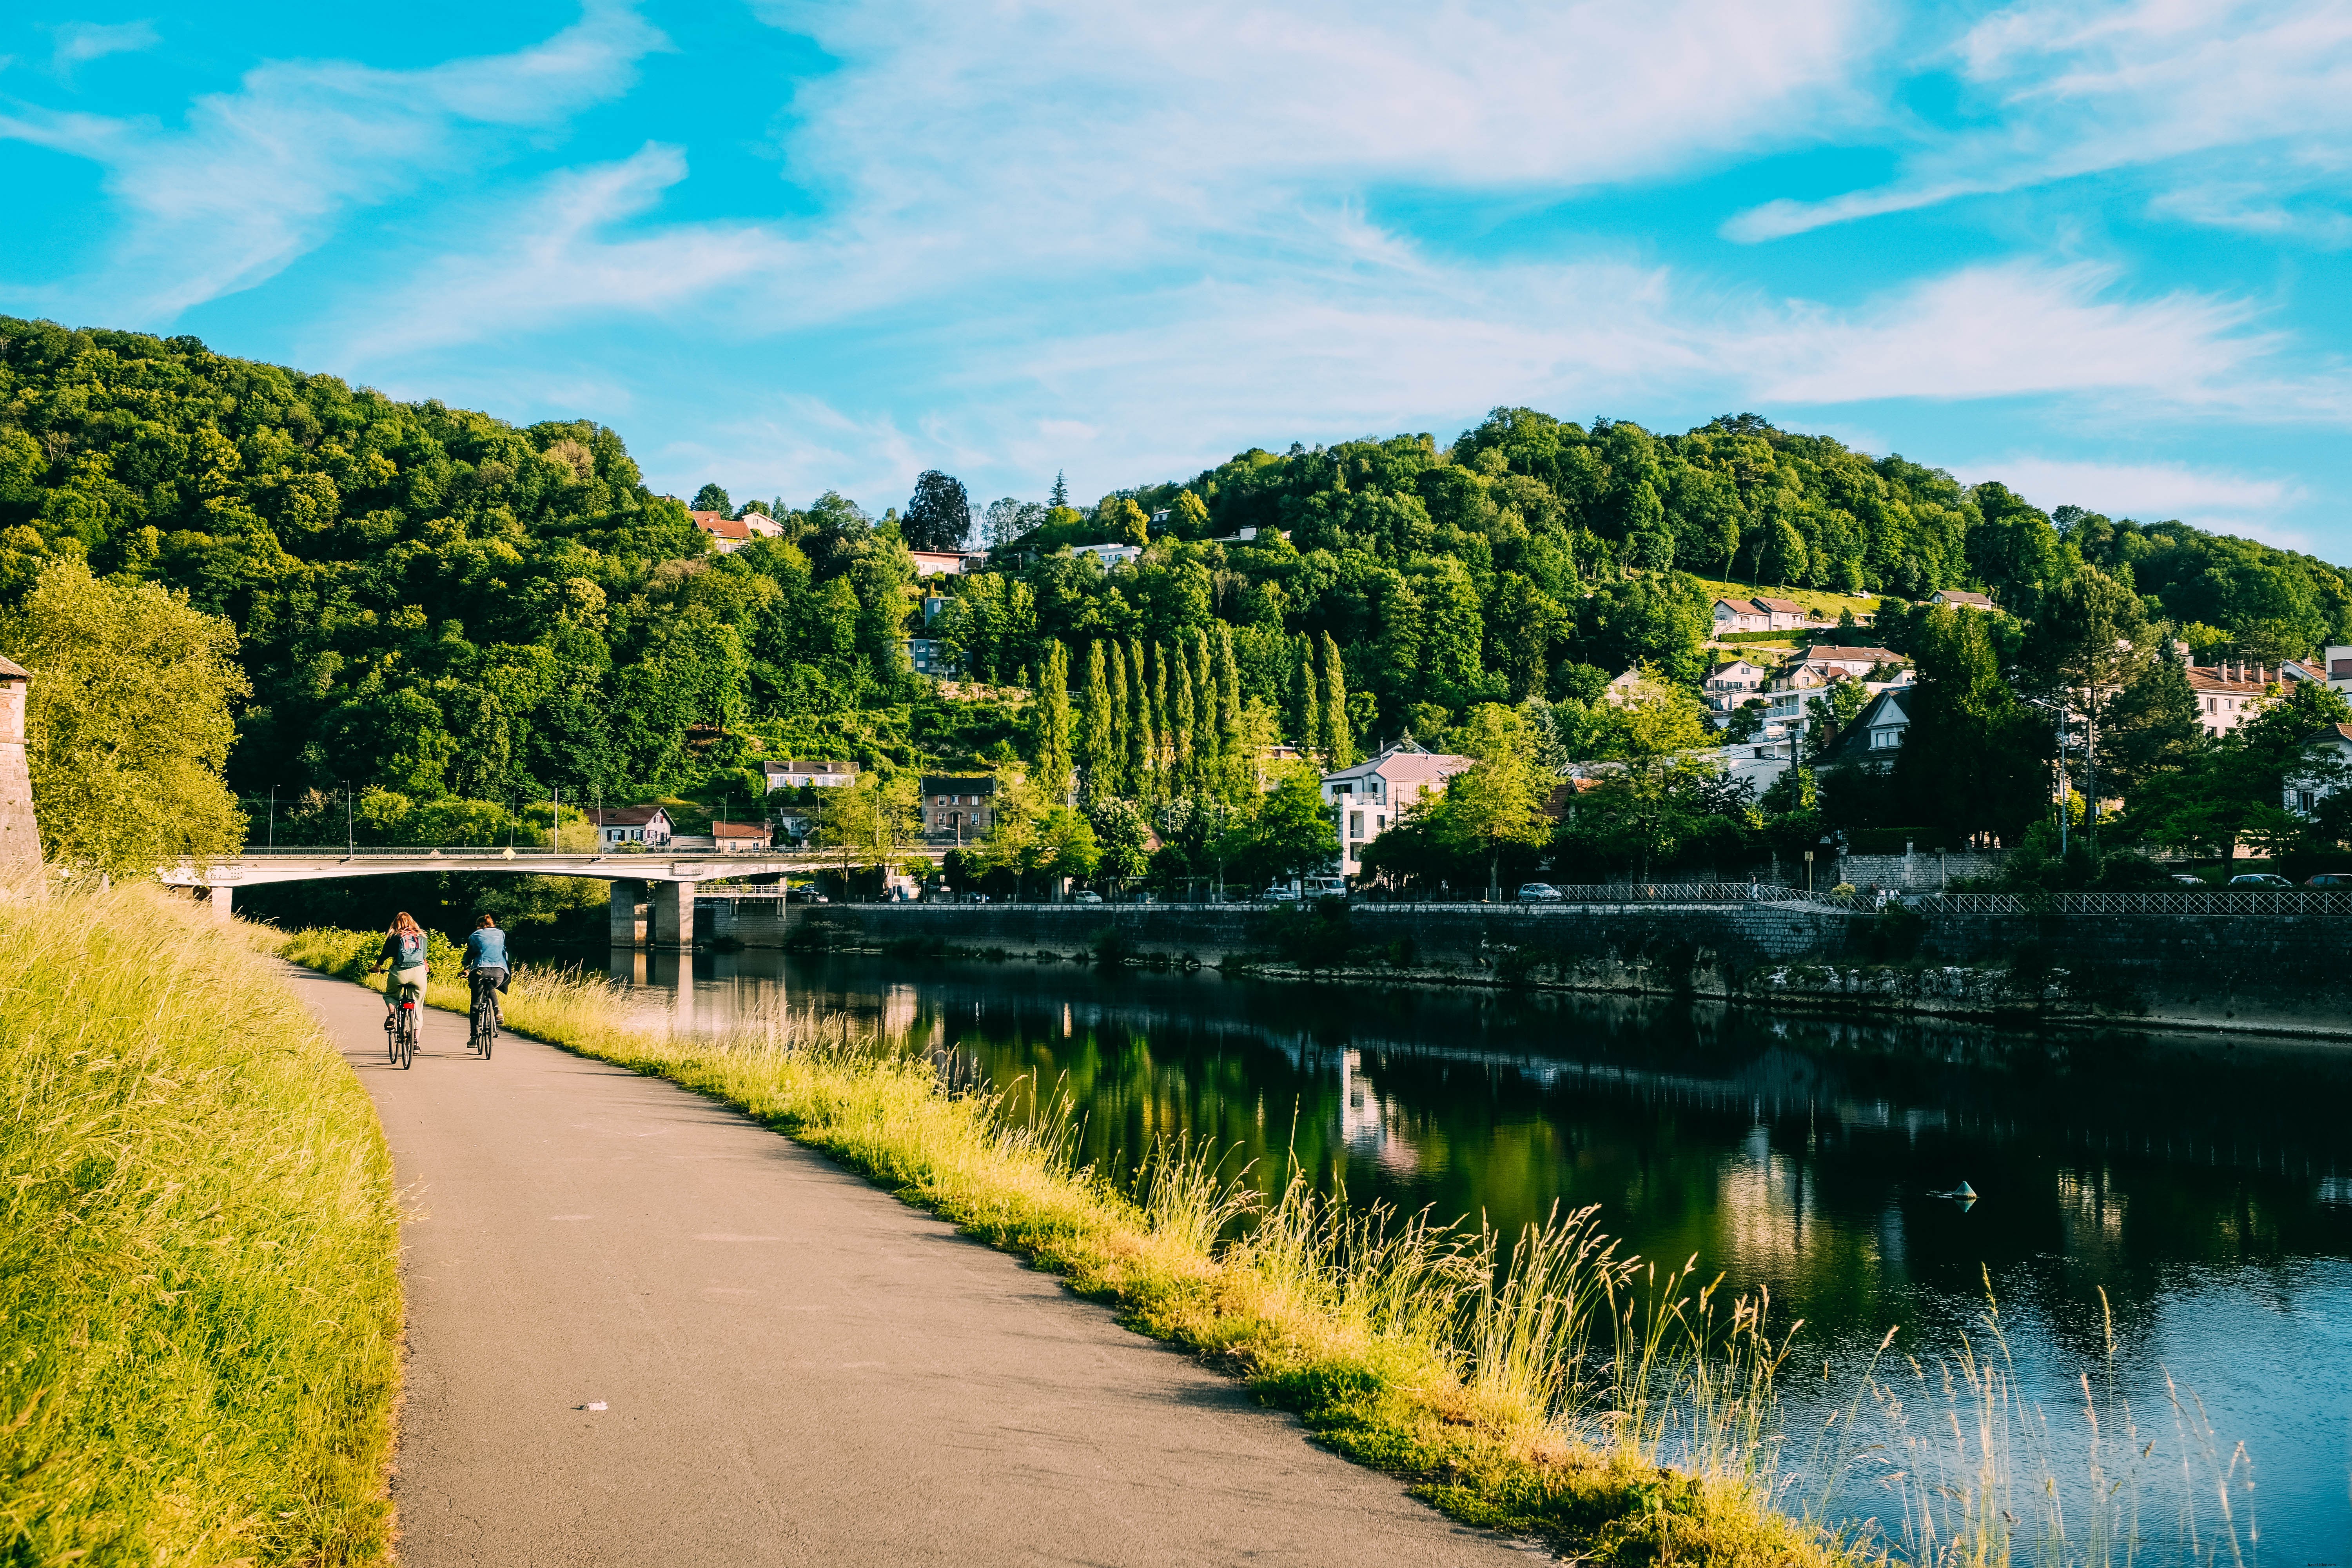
643, 1329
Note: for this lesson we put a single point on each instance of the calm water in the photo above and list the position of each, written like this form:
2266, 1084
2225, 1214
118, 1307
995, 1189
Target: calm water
2206, 1187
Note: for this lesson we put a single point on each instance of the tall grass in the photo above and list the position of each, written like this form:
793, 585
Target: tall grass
199, 1296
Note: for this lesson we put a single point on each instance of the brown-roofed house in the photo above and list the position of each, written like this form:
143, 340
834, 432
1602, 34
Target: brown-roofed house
1963, 599
622, 825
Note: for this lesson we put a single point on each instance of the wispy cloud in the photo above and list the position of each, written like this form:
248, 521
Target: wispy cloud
255, 177
2153, 492
2070, 88
77, 43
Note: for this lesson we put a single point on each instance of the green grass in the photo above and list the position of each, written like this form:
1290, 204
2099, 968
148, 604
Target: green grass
1475, 1366
199, 1292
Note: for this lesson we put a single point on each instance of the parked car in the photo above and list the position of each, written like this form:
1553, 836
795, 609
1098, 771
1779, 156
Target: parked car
1085, 896
2331, 879
1538, 894
975, 897
2260, 879
1278, 894
2187, 880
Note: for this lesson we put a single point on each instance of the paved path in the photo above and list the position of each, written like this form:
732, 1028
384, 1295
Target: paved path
795, 1367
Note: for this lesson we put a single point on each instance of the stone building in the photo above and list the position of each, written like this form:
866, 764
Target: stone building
20, 841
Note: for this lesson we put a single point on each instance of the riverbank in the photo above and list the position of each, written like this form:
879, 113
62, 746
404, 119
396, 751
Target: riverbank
2240, 973
1392, 1341
198, 1252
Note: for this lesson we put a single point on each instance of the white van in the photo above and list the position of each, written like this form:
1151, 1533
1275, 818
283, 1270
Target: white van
1323, 888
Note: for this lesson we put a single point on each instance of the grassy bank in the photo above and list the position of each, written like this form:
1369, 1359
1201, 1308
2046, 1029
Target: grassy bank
199, 1296
1478, 1366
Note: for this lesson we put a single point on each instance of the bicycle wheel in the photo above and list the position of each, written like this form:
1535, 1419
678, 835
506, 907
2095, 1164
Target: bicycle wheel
392, 1033
407, 1033
490, 1030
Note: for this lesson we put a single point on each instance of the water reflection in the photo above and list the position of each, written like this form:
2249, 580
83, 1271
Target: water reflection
2204, 1185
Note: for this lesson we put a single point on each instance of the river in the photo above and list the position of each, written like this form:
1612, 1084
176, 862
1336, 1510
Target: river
2203, 1184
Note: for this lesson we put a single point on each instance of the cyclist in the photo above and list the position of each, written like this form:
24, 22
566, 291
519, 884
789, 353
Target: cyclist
485, 966
404, 951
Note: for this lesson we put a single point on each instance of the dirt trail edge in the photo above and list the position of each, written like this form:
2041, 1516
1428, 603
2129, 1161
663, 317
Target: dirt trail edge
644, 1330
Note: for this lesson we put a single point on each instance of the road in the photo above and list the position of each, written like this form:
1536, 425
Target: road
644, 1330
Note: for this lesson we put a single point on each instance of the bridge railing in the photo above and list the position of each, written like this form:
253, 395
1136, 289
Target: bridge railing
515, 852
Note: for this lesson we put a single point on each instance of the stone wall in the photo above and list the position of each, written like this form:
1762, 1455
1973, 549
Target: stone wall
2283, 974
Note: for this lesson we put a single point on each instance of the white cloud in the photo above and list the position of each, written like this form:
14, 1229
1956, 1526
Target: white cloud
256, 177
2152, 493
77, 42
2072, 87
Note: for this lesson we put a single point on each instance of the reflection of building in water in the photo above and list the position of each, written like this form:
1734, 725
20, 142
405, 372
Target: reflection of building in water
1364, 1127
898, 1012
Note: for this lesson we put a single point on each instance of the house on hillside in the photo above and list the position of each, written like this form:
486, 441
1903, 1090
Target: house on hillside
1877, 732
1963, 599
950, 563
2331, 772
931, 657
732, 533
1366, 798
2229, 693
741, 837
956, 808
1761, 615
1109, 555
791, 774
1829, 659
620, 825
1731, 683
2332, 669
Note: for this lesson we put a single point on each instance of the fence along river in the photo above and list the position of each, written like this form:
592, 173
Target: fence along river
2205, 1185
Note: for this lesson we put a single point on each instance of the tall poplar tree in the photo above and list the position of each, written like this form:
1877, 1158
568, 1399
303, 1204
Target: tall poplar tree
1140, 740
1208, 761
1098, 732
1180, 718
1121, 776
1054, 725
1338, 744
1302, 697
1240, 770
1160, 733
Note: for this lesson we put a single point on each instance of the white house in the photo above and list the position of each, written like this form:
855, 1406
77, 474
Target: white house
952, 562
929, 655
1761, 614
1367, 798
622, 825
1731, 683
2332, 772
1109, 555
1963, 599
2332, 669
1878, 731
1854, 662
792, 774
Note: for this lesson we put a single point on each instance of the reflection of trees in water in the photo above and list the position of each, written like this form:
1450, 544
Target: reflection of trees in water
1791, 1151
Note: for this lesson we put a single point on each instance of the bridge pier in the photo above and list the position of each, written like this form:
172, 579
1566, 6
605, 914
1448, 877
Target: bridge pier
628, 921
670, 923
223, 901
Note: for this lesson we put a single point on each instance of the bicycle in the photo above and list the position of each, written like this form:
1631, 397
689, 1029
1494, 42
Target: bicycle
485, 1021
400, 1024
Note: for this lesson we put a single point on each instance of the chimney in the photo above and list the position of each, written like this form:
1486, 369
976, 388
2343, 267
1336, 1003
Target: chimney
20, 838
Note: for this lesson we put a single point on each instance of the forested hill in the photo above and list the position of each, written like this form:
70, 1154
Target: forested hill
438, 603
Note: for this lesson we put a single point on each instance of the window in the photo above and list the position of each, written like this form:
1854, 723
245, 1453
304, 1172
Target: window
1355, 823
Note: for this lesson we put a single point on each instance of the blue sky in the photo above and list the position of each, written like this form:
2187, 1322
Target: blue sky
2098, 252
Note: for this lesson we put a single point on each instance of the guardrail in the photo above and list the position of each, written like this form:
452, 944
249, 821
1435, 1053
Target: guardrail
2214, 901
505, 852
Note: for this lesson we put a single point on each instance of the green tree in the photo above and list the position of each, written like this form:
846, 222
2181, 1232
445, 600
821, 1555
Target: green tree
1291, 831
2089, 639
1338, 741
1124, 839
1498, 801
867, 823
2149, 726
710, 498
1052, 706
1142, 739
127, 722
1974, 757
1180, 719
1099, 732
1239, 774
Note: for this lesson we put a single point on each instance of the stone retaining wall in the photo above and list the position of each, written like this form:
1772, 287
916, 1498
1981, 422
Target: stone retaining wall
2283, 974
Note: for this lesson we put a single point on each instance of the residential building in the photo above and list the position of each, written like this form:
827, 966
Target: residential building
931, 657
790, 774
1732, 683
951, 563
1963, 599
1761, 614
933, 605
741, 837
1878, 731
1247, 536
729, 534
2332, 772
2229, 693
1366, 798
1856, 662
1789, 697
792, 823
956, 808
623, 824
2333, 668
1109, 555
1759, 763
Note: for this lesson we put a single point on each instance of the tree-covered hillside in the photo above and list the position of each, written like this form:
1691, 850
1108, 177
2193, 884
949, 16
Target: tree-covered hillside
443, 607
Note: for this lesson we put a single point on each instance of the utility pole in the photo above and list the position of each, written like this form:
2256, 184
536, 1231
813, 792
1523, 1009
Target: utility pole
272, 842
349, 843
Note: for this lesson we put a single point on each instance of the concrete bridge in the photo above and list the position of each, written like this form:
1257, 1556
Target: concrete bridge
652, 894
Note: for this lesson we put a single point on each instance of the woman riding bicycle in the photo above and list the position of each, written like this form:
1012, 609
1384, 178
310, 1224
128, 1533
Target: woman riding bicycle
485, 966
404, 951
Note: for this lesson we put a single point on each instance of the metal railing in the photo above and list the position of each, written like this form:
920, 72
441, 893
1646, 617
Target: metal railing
2212, 902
